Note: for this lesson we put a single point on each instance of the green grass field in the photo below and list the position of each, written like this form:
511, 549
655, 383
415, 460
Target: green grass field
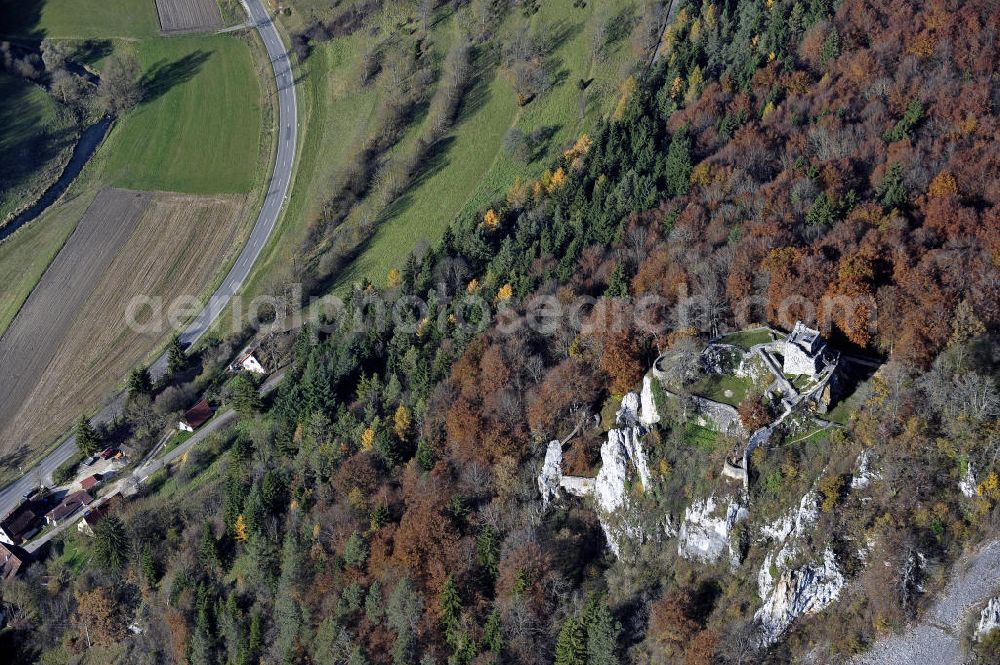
333, 117
716, 387
425, 211
36, 140
702, 437
747, 338
78, 19
472, 169
199, 131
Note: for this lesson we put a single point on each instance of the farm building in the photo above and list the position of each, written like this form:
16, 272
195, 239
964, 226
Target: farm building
251, 358
196, 416
70, 504
248, 361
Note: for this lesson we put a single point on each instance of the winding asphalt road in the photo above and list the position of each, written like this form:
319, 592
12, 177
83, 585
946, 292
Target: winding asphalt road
277, 193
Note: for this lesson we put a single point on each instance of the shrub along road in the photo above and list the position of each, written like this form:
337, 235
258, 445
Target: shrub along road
266, 221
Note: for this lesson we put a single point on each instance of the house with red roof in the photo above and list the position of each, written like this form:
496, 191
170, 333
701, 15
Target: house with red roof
196, 416
11, 560
90, 482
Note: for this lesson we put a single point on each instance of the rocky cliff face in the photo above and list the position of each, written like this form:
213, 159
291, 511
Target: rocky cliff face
551, 474
623, 462
967, 485
648, 413
790, 592
707, 532
623, 465
804, 590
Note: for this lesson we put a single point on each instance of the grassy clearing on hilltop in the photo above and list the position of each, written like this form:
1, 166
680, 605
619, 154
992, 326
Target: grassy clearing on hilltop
199, 129
36, 141
79, 19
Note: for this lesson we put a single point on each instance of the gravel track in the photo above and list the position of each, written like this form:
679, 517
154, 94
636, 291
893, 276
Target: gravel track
936, 640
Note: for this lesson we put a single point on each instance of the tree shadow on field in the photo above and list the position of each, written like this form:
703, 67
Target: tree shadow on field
485, 69
93, 50
163, 75
21, 19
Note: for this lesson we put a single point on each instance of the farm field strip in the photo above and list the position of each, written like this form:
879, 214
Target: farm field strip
25, 256
175, 245
199, 130
179, 16
78, 19
47, 317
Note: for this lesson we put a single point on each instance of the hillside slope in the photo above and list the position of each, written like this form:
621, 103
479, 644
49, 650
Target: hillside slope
584, 427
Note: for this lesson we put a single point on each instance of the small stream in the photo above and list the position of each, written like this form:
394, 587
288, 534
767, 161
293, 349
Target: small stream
90, 139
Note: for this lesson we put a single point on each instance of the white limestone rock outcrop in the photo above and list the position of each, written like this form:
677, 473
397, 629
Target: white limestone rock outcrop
611, 489
628, 413
795, 522
790, 592
611, 479
864, 473
623, 464
551, 474
648, 415
705, 533
805, 590
989, 618
967, 485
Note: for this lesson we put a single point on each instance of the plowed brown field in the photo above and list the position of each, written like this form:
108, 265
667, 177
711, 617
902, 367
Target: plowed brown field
178, 16
69, 346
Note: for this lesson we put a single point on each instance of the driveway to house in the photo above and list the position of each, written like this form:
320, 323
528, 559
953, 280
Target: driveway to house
277, 191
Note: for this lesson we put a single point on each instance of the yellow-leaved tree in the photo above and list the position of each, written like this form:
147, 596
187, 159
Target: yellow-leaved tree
240, 533
505, 292
368, 438
401, 421
491, 219
557, 180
